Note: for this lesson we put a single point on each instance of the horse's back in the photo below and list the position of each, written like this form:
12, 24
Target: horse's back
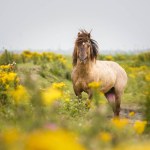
115, 70
115, 67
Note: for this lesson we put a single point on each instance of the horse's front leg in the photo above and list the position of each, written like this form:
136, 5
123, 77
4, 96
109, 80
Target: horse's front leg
90, 95
77, 93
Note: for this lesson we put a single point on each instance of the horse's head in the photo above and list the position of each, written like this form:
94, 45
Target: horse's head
85, 49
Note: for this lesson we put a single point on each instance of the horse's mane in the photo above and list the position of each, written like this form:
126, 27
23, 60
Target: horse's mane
84, 36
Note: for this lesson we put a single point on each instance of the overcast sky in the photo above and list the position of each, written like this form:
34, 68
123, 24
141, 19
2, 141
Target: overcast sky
54, 24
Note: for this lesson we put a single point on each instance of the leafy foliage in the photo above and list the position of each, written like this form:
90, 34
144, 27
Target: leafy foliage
38, 109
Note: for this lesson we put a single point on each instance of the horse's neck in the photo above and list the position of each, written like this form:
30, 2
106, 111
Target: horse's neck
84, 69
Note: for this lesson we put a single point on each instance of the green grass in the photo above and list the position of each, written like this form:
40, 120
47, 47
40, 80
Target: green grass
73, 115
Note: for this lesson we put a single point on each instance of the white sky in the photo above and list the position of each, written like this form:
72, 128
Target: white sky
54, 24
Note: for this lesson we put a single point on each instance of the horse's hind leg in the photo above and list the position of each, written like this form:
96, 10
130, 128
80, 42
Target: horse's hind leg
114, 101
90, 94
117, 103
110, 95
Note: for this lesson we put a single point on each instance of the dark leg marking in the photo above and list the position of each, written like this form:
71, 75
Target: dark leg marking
114, 100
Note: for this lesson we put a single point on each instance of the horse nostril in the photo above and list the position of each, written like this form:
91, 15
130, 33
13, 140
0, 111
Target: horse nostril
82, 58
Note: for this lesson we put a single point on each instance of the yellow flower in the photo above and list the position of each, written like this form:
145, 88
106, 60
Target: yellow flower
120, 123
147, 77
10, 136
137, 146
20, 94
59, 85
132, 113
139, 126
52, 140
62, 60
7, 86
143, 67
66, 96
7, 77
109, 57
12, 76
105, 136
50, 95
94, 84
132, 76
27, 53
5, 67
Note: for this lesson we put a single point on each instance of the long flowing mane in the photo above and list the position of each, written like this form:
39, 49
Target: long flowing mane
84, 36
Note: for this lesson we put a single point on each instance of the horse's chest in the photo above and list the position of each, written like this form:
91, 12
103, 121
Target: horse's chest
82, 83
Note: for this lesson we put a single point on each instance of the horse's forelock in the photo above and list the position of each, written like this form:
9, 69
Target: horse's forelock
83, 36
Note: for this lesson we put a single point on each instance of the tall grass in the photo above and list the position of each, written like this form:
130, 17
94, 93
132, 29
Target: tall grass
39, 110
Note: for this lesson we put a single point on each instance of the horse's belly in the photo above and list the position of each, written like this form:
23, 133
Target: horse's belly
107, 83
105, 87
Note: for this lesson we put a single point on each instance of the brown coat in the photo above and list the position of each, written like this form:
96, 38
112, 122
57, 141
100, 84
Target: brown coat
87, 69
109, 73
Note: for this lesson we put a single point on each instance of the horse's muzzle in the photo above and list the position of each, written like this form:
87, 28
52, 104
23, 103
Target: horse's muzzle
83, 59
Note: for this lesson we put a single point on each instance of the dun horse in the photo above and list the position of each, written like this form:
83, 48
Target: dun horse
87, 69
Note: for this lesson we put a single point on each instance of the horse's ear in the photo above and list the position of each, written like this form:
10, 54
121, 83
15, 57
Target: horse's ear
74, 56
79, 34
89, 34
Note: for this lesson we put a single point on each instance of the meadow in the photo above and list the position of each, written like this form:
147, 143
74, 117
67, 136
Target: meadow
39, 110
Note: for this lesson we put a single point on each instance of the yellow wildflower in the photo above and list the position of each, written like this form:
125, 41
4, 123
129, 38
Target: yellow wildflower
109, 57
59, 85
66, 96
27, 53
143, 67
94, 84
139, 126
132, 76
6, 77
137, 146
120, 123
5, 67
147, 77
20, 94
12, 76
10, 136
132, 113
101, 93
52, 140
50, 95
62, 60
7, 86
105, 136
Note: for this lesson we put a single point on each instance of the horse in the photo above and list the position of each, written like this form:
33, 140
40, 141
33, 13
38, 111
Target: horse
87, 69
